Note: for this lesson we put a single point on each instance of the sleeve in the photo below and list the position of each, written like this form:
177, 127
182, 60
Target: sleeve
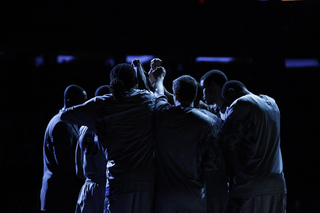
62, 147
83, 114
80, 152
161, 103
79, 161
236, 125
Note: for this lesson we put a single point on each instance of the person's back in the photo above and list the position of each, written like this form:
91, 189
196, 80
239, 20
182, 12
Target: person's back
259, 157
60, 185
123, 121
186, 145
128, 133
252, 130
181, 134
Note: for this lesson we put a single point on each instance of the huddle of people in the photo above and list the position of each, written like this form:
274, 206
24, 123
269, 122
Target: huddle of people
137, 148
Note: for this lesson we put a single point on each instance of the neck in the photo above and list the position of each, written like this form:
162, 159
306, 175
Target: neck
244, 92
184, 104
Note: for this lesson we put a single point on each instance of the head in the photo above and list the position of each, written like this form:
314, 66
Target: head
212, 83
122, 78
104, 89
233, 90
74, 95
184, 90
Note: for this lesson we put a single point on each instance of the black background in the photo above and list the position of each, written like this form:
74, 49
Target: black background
260, 34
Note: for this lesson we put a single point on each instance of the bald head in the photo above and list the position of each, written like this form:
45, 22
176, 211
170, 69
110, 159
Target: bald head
232, 90
212, 83
102, 90
74, 95
214, 76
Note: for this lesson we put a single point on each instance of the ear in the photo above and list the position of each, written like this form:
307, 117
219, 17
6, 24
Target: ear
176, 96
68, 103
231, 92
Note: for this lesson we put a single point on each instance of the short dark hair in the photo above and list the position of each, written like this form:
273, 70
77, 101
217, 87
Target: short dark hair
237, 86
122, 79
73, 92
104, 89
186, 88
215, 75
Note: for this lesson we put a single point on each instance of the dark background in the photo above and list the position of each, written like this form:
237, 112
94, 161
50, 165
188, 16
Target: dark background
261, 35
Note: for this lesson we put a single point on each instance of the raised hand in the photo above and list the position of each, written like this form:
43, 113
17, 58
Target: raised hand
159, 73
154, 63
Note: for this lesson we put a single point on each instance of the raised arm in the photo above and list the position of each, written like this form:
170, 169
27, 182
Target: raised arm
159, 74
154, 64
143, 81
83, 114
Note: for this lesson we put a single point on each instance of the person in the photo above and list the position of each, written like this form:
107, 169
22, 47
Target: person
91, 165
212, 83
186, 145
252, 130
60, 184
123, 121
217, 181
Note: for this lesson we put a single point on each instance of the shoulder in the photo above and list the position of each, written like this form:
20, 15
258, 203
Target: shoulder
144, 93
245, 101
161, 103
140, 95
60, 125
269, 100
253, 100
207, 117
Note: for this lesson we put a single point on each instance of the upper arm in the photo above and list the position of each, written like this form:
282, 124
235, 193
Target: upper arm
62, 139
235, 124
161, 103
83, 114
79, 161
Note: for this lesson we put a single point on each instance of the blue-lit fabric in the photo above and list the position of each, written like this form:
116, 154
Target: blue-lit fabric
186, 142
259, 204
220, 112
59, 172
252, 131
94, 163
126, 130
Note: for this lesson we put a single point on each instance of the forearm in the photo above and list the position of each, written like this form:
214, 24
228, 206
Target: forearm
159, 88
78, 162
159, 75
169, 96
83, 114
142, 79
